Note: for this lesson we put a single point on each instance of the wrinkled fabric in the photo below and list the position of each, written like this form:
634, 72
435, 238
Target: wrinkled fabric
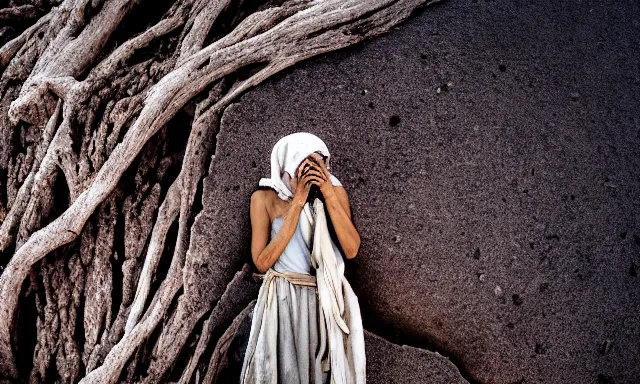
287, 341
339, 312
339, 305
296, 256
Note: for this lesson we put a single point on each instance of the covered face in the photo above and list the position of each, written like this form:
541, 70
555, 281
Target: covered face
297, 147
287, 155
291, 182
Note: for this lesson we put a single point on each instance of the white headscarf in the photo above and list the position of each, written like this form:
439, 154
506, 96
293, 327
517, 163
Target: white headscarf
286, 157
337, 299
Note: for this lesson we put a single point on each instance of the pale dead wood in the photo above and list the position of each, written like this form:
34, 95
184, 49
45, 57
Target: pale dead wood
34, 103
150, 94
8, 50
219, 357
237, 295
193, 164
36, 176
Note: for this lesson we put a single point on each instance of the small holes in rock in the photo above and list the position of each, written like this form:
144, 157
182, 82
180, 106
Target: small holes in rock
517, 300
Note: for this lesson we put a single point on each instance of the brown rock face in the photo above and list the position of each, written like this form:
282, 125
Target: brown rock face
392, 363
490, 154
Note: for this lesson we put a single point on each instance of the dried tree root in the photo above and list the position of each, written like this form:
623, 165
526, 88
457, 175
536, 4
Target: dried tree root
237, 295
219, 358
31, 184
272, 37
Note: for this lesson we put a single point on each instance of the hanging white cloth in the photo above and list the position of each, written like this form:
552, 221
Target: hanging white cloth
340, 308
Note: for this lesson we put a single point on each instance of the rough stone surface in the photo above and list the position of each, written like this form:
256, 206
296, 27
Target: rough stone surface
402, 364
490, 152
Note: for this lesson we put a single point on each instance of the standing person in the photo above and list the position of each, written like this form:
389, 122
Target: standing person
306, 325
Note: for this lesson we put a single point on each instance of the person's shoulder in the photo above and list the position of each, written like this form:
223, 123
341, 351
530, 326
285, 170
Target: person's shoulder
262, 195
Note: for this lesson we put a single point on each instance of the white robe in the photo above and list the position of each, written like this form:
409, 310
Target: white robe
340, 310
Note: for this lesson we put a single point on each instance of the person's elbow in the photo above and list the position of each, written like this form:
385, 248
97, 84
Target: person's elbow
262, 269
352, 251
260, 266
261, 262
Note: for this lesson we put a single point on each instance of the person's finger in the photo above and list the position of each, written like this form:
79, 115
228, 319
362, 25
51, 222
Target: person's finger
309, 168
306, 170
312, 179
317, 166
316, 172
306, 163
321, 162
312, 170
321, 165
314, 160
303, 166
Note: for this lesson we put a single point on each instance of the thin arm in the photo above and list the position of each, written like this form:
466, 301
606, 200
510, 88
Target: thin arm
339, 209
265, 255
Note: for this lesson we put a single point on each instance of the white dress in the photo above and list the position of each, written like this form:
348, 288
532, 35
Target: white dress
288, 349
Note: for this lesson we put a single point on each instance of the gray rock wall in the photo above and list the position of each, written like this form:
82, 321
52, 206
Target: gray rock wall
489, 149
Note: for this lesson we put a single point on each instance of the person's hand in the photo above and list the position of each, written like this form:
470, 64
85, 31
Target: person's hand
303, 185
314, 167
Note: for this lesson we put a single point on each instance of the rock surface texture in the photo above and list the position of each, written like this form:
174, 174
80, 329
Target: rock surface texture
489, 149
490, 153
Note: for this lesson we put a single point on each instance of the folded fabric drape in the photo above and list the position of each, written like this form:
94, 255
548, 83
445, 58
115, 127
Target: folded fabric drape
339, 304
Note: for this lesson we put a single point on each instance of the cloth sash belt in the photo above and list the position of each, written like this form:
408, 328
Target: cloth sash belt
295, 278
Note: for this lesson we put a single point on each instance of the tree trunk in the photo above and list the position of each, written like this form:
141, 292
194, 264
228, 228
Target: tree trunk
109, 111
